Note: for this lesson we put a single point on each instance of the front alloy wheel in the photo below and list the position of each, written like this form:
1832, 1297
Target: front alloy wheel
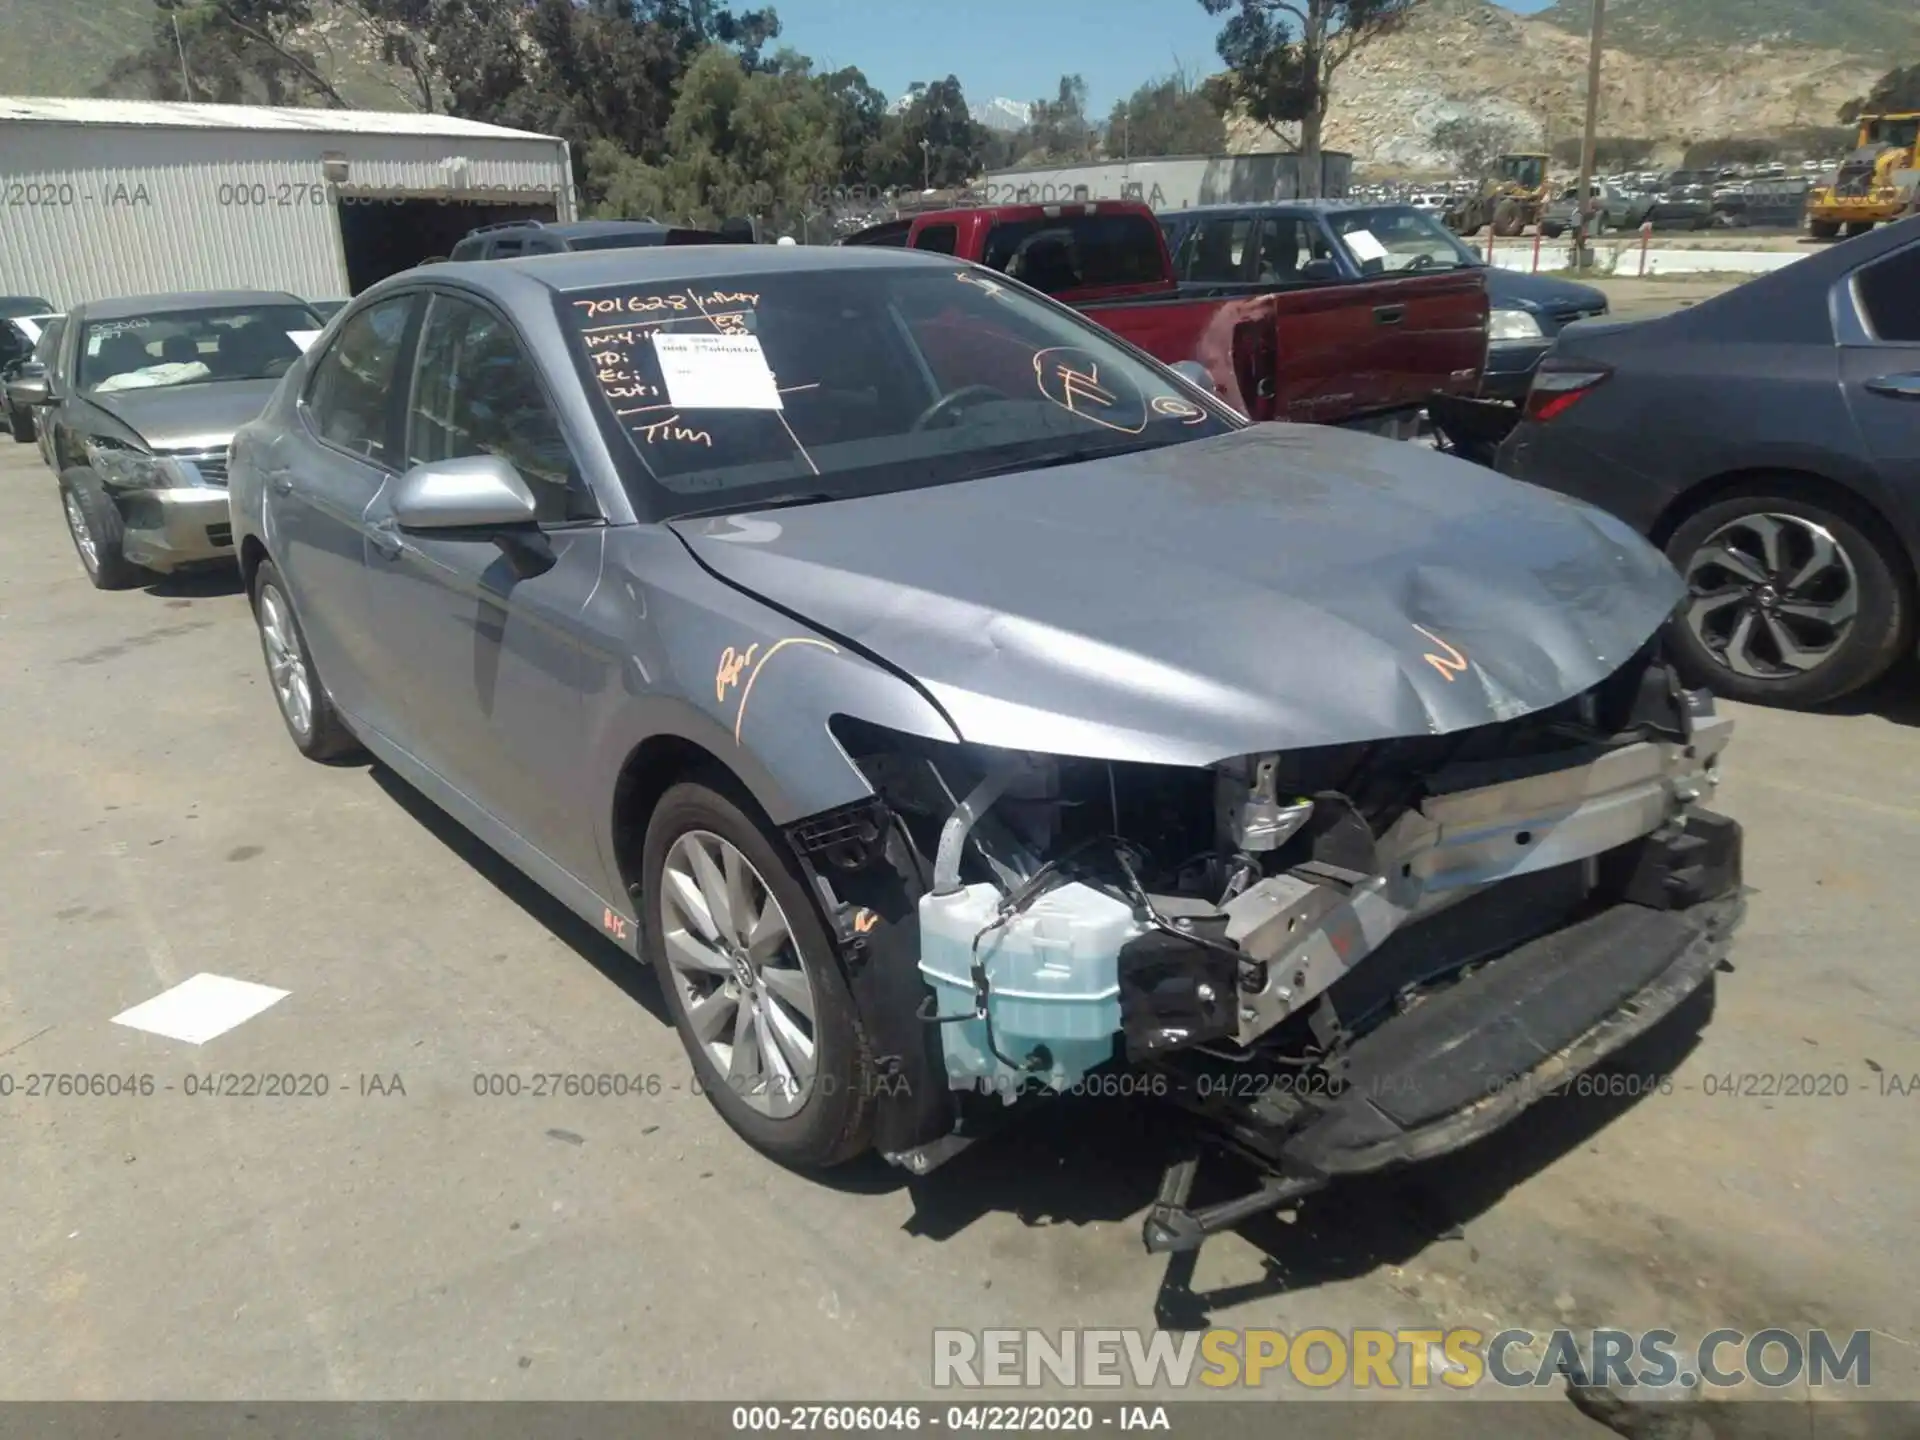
738, 974
752, 978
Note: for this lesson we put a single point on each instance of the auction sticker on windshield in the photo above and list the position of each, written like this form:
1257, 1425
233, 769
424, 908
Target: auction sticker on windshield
1365, 246
716, 372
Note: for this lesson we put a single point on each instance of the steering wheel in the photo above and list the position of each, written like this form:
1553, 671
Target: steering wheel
1422, 261
950, 400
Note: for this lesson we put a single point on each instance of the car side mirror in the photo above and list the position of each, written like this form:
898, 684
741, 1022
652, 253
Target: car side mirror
30, 388
476, 492
1319, 271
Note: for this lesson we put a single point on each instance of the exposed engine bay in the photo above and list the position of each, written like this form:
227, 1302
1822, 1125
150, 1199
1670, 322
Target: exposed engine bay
1254, 930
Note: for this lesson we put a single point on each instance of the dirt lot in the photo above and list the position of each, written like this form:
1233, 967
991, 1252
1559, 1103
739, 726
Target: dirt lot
438, 1243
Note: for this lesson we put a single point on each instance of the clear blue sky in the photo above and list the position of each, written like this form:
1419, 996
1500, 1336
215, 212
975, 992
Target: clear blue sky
1015, 48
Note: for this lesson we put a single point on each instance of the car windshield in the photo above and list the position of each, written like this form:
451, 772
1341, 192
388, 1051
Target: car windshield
1902, 133
737, 391
193, 347
1527, 170
1398, 237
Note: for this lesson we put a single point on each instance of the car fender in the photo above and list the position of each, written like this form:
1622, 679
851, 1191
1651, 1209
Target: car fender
689, 657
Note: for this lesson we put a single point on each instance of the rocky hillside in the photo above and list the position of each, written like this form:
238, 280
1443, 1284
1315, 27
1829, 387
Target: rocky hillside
1471, 57
1657, 27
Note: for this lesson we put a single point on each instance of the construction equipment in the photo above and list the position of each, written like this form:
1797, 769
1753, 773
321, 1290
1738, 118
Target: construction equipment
1510, 199
1879, 181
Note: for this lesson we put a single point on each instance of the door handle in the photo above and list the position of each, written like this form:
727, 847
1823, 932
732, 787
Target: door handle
1898, 387
1389, 314
280, 482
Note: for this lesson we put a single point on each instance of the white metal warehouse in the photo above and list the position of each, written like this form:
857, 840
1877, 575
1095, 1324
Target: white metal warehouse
108, 197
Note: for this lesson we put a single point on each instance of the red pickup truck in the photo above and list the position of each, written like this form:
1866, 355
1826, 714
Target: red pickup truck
1312, 344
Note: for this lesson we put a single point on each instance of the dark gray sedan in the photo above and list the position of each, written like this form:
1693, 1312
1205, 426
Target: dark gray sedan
1769, 439
135, 405
949, 701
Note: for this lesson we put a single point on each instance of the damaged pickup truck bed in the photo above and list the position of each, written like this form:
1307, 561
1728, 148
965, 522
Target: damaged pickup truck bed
956, 706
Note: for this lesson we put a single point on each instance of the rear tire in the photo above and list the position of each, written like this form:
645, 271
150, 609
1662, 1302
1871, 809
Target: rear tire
315, 726
1858, 228
98, 533
719, 975
1823, 229
1859, 579
1507, 219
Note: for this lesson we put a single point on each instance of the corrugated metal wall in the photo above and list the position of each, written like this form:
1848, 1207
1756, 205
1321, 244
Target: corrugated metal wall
1170, 184
224, 209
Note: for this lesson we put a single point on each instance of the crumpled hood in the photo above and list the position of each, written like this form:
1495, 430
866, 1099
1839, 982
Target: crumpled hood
187, 417
1278, 587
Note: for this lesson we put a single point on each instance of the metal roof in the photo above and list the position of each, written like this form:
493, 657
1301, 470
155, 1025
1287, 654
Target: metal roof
173, 115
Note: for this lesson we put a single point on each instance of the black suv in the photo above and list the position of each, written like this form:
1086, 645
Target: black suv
535, 237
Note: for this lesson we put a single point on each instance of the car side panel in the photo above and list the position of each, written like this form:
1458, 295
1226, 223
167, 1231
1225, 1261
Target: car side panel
670, 650
1675, 417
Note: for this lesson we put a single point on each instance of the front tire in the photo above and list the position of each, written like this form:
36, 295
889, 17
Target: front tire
315, 726
1791, 603
1823, 229
98, 533
751, 976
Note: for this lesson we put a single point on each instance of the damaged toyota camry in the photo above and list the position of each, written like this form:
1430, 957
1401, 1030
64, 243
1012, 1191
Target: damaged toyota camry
957, 707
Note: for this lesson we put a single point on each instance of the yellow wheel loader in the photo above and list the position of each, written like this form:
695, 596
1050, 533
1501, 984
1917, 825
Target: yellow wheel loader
1509, 200
1877, 182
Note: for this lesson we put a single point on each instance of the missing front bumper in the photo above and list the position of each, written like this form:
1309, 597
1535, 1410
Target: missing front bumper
1466, 1061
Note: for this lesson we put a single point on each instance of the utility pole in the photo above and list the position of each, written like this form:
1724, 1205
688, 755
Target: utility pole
926, 164
1583, 199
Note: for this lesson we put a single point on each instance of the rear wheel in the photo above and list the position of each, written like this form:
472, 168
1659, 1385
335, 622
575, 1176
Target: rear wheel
316, 727
1823, 229
750, 974
1858, 228
1790, 602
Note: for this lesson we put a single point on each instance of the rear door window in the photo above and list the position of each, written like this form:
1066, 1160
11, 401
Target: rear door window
941, 239
1889, 293
1073, 252
1215, 252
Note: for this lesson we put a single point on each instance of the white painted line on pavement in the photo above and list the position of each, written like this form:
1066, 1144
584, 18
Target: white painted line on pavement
198, 1009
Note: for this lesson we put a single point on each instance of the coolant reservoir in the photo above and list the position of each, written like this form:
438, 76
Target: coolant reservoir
1052, 974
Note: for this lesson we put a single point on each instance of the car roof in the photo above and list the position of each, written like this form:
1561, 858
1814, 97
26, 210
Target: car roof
581, 270
126, 307
1327, 207
579, 229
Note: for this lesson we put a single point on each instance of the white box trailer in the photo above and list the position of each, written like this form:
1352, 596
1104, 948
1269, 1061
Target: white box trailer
108, 197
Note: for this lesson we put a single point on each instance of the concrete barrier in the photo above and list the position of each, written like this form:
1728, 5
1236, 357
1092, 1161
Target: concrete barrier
1624, 261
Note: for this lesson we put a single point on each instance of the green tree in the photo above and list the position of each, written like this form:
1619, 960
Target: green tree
1473, 142
1170, 116
1059, 127
228, 52
934, 141
1282, 57
1898, 90
740, 141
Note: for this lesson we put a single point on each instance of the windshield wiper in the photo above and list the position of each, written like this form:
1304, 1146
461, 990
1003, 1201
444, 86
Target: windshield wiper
746, 507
